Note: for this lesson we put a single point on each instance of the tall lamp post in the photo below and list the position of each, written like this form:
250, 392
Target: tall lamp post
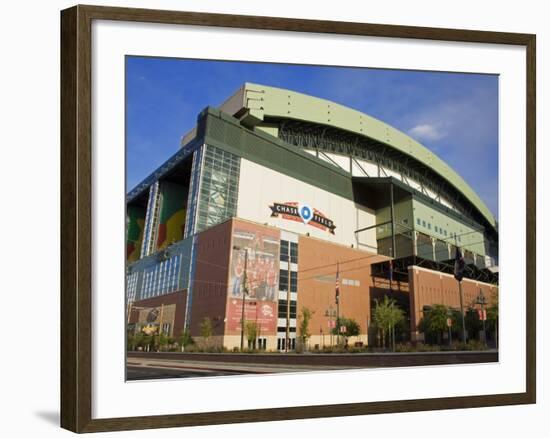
244, 287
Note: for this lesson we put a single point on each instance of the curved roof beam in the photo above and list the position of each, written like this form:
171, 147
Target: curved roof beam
254, 102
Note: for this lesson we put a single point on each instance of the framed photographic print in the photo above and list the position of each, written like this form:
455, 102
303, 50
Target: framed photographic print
252, 205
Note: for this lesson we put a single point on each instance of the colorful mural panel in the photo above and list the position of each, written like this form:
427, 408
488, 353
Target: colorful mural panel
134, 237
257, 248
172, 214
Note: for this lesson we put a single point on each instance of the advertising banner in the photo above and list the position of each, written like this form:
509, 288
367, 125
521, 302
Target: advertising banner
262, 313
297, 212
257, 248
151, 318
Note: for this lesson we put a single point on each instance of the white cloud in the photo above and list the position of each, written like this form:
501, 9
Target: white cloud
426, 132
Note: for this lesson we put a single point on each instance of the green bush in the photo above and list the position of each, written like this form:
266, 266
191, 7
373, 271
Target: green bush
472, 345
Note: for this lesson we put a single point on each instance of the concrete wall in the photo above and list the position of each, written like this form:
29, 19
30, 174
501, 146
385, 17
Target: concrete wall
260, 187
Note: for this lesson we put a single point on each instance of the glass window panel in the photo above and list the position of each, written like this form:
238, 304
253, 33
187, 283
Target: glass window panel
283, 279
284, 250
294, 252
293, 281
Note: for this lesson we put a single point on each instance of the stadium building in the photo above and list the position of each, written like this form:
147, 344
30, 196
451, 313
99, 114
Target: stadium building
282, 195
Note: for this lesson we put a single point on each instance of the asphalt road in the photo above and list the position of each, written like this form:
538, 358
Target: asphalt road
144, 366
155, 368
149, 372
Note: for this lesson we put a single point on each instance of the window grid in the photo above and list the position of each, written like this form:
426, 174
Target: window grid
219, 187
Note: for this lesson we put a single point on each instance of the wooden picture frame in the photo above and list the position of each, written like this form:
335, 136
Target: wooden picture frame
76, 218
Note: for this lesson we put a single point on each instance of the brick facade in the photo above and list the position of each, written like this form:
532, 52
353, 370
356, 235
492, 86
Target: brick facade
430, 287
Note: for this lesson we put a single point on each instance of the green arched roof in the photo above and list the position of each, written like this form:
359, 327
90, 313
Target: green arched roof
260, 101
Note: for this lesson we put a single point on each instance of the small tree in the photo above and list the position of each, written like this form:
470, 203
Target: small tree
206, 330
386, 316
305, 317
185, 339
352, 328
148, 342
251, 330
163, 341
137, 341
434, 322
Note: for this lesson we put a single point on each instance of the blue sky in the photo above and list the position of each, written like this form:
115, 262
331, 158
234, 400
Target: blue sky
455, 115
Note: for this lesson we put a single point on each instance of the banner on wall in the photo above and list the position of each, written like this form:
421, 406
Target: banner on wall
150, 319
258, 249
297, 212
